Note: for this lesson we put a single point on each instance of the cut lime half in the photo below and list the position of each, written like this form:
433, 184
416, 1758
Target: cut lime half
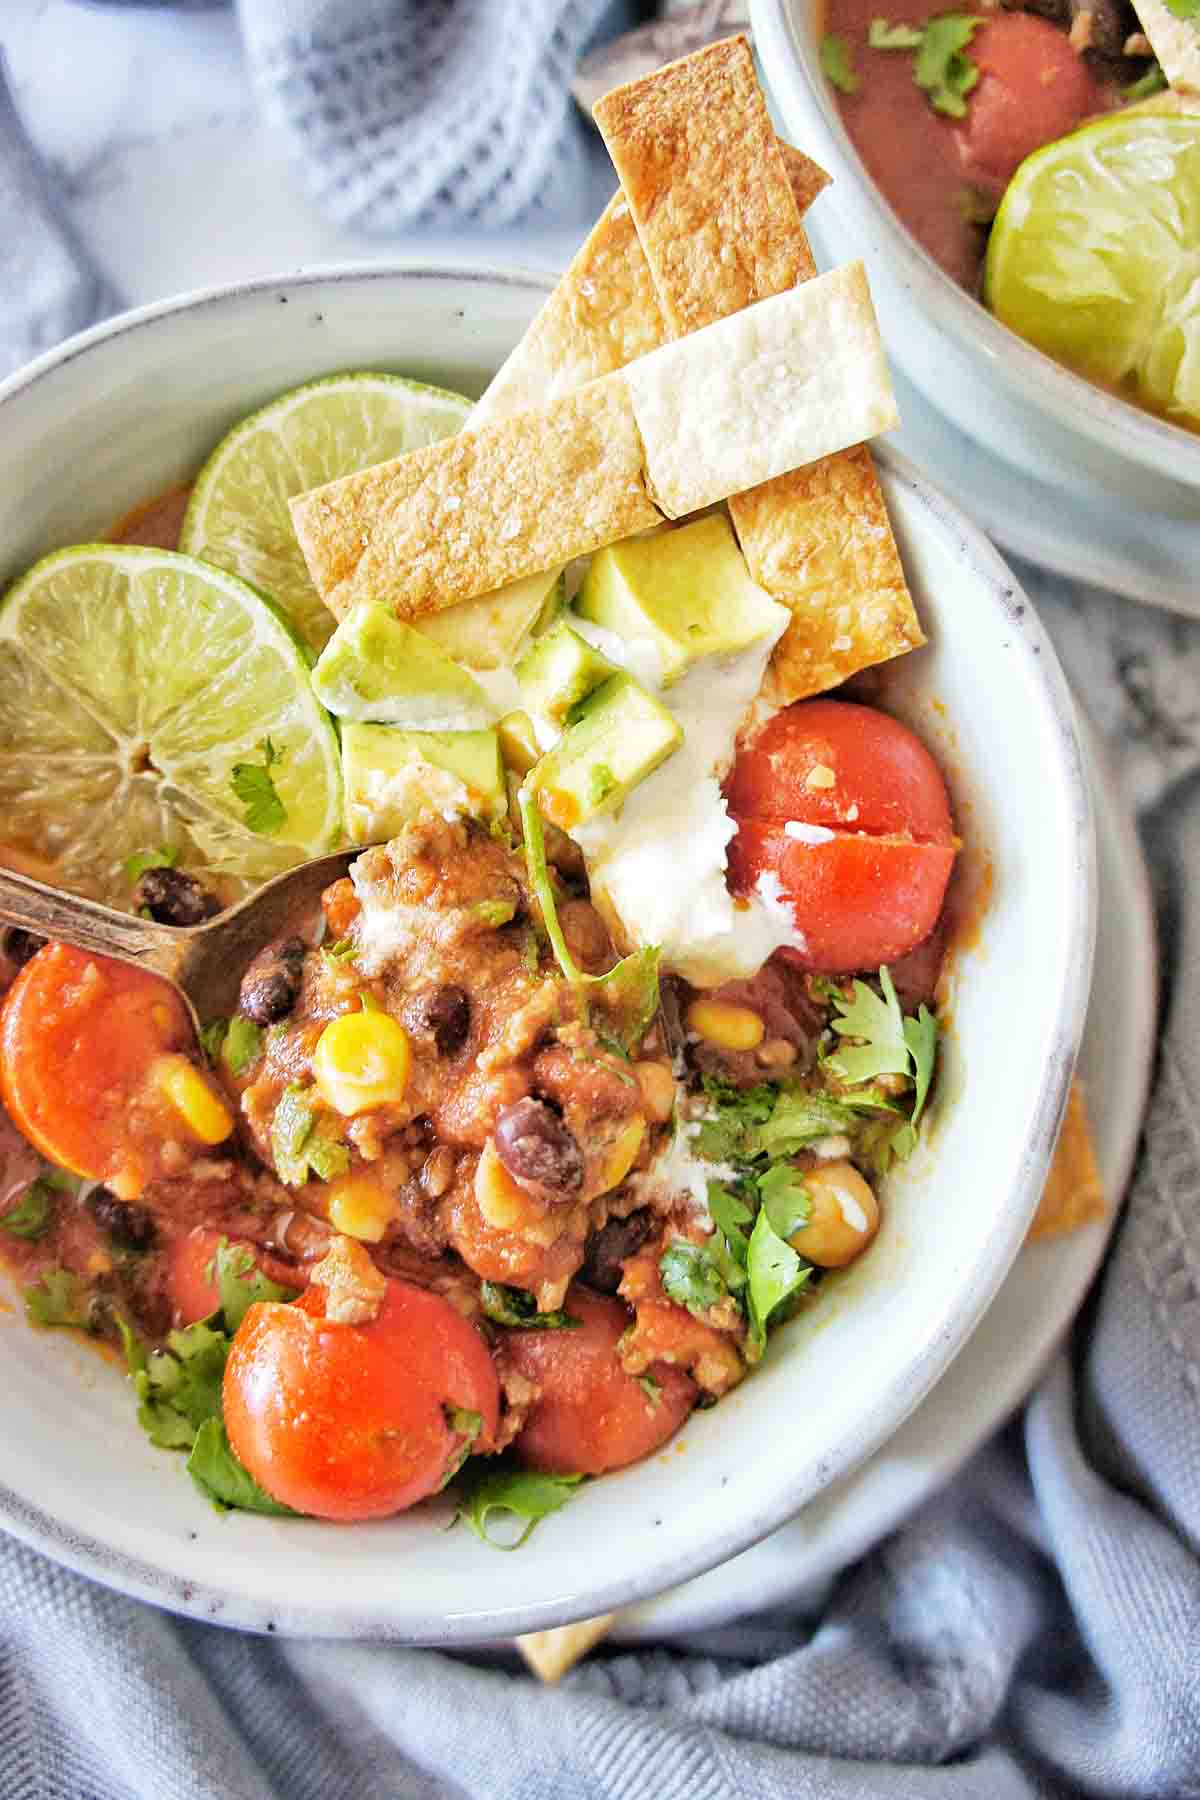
1095, 256
238, 517
131, 682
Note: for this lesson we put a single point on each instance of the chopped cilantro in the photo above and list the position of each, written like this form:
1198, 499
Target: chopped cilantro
531, 952
242, 1044
179, 1386
240, 1282
297, 1146
32, 1215
523, 1493
652, 1390
254, 787
941, 67
629, 995
58, 1299
800, 1117
326, 1157
882, 36
785, 1199
729, 1133
1152, 82
691, 1276
1185, 9
466, 1425
494, 913
878, 1022
222, 1479
836, 64
515, 1308
165, 857
212, 1036
344, 950
775, 1274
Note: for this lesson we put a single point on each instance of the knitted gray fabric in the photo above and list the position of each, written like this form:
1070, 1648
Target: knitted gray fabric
434, 110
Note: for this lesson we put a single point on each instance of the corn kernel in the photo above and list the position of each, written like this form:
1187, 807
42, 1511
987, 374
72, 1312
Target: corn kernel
361, 1061
360, 1208
620, 1156
727, 1026
518, 746
199, 1106
657, 1083
504, 1204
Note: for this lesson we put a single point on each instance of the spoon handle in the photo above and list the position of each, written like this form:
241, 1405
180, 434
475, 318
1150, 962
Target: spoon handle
72, 920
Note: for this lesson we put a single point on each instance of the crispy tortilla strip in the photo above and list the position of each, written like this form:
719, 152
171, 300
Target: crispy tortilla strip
604, 313
1175, 42
471, 513
818, 539
751, 396
1074, 1192
761, 391
551, 1653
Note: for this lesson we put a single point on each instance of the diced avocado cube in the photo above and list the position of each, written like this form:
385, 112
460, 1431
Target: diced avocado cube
391, 777
688, 590
487, 633
376, 668
558, 671
620, 735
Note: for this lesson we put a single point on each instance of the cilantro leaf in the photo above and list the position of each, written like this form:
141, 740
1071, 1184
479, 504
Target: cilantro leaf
33, 1214
492, 914
1185, 9
165, 857
344, 950
242, 1044
179, 1386
941, 67
212, 1036
730, 1132
1152, 82
513, 1307
785, 1199
882, 36
879, 1023
466, 1425
222, 1479
240, 1282
921, 1036
254, 787
800, 1117
297, 1146
775, 1274
58, 1299
523, 1493
836, 64
629, 994
326, 1157
691, 1276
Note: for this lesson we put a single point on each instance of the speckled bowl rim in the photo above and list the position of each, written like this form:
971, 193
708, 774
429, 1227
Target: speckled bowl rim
87, 1555
1044, 385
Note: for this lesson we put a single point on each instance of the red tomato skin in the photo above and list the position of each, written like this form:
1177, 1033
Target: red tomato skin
885, 782
194, 1294
590, 1416
1033, 87
858, 901
349, 1421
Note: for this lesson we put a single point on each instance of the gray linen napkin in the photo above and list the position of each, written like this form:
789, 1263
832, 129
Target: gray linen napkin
1033, 1633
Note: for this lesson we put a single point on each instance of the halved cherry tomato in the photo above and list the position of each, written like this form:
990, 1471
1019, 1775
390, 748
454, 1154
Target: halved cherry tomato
355, 1421
590, 1416
1033, 87
78, 1036
850, 812
191, 1287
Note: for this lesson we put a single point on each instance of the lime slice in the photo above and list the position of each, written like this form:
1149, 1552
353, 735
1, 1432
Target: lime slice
1095, 256
238, 517
131, 682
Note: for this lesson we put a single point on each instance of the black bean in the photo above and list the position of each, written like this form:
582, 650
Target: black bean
607, 1249
130, 1227
538, 1151
174, 897
446, 1014
271, 985
19, 945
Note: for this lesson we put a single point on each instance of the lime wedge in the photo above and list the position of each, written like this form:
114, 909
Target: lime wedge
238, 517
131, 682
1095, 256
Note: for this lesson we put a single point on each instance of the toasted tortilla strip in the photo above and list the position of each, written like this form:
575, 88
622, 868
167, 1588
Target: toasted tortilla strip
752, 395
818, 539
1074, 1192
551, 1653
1175, 42
767, 389
473, 512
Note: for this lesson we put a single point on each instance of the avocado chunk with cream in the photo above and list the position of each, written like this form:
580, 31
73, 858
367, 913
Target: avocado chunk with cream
391, 777
689, 591
619, 735
377, 668
558, 671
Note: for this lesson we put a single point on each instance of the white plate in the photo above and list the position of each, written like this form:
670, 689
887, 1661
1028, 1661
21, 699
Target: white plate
1145, 556
1026, 1321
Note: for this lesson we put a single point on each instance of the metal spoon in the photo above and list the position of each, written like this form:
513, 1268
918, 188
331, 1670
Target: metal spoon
205, 963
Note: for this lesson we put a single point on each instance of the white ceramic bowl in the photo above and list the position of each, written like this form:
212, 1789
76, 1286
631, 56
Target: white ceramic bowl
1017, 402
135, 404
